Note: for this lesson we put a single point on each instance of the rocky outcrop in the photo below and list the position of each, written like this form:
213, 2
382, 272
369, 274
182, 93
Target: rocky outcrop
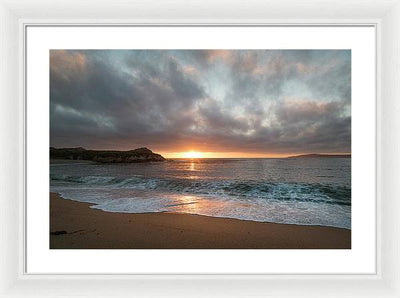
136, 155
321, 155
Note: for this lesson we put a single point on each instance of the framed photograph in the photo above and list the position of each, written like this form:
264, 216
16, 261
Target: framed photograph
195, 149
160, 157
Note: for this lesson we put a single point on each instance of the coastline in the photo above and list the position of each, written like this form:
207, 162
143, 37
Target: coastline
74, 225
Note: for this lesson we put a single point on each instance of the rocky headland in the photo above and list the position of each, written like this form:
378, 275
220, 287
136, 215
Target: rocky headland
105, 156
314, 155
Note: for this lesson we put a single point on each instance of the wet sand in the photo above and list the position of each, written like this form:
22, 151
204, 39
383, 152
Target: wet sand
74, 225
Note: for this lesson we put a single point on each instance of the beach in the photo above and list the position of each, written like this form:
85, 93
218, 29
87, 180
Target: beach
74, 225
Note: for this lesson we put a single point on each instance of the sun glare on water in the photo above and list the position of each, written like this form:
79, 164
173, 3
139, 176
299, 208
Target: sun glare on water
192, 154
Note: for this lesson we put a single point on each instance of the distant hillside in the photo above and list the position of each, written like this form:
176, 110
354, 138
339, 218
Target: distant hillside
321, 155
79, 153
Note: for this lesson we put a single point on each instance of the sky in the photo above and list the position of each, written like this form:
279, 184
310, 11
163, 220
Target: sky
220, 103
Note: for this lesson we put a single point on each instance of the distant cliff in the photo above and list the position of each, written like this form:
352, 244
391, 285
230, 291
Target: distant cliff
321, 155
79, 153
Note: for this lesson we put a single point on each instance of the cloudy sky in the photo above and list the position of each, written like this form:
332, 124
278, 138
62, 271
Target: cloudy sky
227, 102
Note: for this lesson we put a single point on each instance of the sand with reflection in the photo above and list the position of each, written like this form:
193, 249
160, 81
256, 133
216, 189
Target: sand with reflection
75, 225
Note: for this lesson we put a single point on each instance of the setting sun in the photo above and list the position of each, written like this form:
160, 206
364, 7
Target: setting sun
192, 154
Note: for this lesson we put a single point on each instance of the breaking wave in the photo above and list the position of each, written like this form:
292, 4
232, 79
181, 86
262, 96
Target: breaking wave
302, 192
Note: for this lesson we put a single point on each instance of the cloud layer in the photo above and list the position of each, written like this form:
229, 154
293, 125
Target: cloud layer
265, 102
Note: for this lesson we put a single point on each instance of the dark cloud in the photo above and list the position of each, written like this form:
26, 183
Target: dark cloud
236, 101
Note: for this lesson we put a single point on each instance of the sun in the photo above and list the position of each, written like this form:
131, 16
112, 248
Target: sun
192, 154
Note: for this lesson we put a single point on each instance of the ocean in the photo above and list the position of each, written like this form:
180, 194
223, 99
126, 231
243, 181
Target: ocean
306, 191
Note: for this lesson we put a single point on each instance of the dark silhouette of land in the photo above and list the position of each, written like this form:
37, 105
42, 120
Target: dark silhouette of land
105, 156
315, 155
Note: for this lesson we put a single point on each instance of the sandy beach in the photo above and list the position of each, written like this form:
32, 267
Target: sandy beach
74, 225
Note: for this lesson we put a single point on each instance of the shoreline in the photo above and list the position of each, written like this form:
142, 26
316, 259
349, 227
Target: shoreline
74, 225
209, 216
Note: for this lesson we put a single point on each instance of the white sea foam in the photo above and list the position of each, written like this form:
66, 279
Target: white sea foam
292, 212
322, 199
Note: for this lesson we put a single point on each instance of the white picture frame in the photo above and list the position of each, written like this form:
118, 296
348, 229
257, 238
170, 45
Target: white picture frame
15, 15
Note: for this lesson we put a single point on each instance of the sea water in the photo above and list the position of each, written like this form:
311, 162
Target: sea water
306, 191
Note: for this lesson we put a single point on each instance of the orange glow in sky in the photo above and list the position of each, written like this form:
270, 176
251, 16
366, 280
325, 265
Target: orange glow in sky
199, 154
192, 154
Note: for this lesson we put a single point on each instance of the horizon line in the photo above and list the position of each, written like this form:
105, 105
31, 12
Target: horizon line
209, 154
